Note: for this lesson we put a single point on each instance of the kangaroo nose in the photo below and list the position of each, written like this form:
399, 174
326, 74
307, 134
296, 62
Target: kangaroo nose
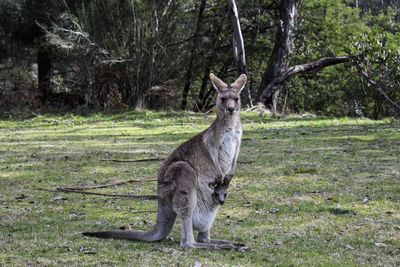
222, 198
230, 109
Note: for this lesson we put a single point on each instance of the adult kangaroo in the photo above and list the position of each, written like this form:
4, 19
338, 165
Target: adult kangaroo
192, 176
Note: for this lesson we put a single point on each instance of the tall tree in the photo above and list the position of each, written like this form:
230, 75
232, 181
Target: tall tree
280, 57
193, 53
278, 69
24, 20
239, 50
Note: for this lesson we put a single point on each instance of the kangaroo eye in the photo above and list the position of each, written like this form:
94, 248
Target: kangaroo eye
236, 99
212, 185
223, 99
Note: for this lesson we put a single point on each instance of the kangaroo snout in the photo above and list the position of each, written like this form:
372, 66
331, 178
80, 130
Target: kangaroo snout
231, 109
221, 200
220, 197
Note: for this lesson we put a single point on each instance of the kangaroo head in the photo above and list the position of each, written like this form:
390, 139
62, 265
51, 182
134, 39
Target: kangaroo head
220, 193
228, 100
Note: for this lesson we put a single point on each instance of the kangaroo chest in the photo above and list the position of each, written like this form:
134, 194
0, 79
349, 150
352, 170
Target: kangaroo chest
228, 148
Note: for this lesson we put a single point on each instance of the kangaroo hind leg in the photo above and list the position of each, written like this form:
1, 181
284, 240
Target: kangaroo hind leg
184, 201
184, 197
203, 238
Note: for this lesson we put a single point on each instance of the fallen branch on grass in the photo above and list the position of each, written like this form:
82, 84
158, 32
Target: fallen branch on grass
141, 211
142, 197
133, 160
105, 185
245, 162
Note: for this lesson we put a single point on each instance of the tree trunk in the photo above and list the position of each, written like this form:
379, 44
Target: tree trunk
278, 70
203, 89
195, 42
44, 73
238, 50
207, 99
152, 52
281, 53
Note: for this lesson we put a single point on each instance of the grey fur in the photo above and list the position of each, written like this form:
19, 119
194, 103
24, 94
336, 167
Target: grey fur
185, 177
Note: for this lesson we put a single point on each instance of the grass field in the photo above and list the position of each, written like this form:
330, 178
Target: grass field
310, 192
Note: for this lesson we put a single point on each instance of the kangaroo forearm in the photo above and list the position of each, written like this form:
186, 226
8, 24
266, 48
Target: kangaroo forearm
214, 157
219, 171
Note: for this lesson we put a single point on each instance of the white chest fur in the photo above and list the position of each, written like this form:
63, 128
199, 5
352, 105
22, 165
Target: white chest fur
228, 148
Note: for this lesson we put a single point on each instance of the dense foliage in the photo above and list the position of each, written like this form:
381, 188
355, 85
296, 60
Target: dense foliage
116, 54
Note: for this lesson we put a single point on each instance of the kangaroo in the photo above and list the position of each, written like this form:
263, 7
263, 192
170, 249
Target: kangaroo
191, 179
220, 191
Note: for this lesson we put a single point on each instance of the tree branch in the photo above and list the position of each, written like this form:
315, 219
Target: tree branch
300, 69
106, 185
133, 160
379, 86
141, 197
316, 65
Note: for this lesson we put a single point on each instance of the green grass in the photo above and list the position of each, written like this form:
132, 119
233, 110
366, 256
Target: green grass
308, 192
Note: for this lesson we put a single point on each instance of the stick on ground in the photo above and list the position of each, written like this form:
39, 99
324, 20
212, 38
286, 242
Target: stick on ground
133, 160
142, 197
105, 185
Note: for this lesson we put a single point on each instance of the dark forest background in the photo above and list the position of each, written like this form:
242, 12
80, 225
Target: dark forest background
329, 57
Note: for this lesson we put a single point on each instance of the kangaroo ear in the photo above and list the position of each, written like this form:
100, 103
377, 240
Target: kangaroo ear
238, 85
218, 84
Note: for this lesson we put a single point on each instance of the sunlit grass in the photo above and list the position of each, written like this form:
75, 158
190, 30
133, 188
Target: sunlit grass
308, 191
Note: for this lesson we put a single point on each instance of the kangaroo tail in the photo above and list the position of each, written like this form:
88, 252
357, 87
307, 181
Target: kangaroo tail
165, 222
129, 235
